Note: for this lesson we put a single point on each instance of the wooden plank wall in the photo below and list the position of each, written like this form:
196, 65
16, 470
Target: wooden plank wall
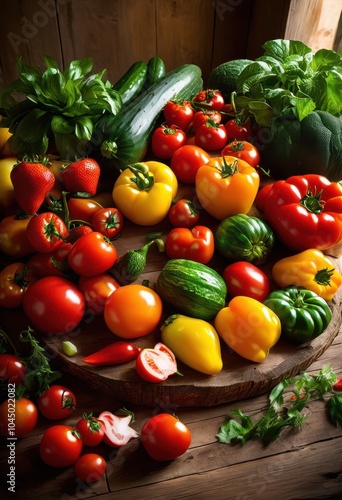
116, 33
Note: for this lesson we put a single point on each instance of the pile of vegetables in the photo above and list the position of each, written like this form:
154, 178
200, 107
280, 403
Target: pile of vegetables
163, 135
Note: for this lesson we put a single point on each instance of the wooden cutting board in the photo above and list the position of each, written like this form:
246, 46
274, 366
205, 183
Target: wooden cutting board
239, 379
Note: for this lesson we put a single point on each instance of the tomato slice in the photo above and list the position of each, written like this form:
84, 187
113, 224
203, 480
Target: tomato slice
117, 429
157, 364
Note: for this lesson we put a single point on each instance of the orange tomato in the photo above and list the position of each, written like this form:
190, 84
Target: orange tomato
13, 239
133, 311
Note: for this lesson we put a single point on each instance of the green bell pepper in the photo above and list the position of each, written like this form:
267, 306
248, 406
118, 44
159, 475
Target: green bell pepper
303, 314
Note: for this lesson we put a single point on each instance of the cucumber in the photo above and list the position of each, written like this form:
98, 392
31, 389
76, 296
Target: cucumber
132, 82
155, 71
125, 136
194, 289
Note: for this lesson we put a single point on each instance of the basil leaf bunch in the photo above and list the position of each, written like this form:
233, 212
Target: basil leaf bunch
290, 78
48, 107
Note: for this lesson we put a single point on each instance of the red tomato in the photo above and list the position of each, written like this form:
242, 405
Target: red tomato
12, 369
78, 231
57, 402
244, 278
49, 264
166, 140
195, 244
14, 280
238, 130
60, 446
82, 209
22, 413
90, 467
46, 232
92, 254
211, 136
186, 161
108, 221
178, 113
157, 364
164, 437
201, 118
13, 236
244, 151
91, 429
183, 213
54, 305
96, 290
209, 99
117, 429
133, 311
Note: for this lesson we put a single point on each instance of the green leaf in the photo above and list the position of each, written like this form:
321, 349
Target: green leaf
33, 126
79, 68
335, 409
232, 430
59, 125
50, 62
83, 128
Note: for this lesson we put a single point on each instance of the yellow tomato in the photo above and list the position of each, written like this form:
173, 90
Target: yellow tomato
4, 144
7, 198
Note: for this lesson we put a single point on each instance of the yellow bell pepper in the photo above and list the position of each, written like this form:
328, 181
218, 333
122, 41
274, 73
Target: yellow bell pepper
144, 192
248, 327
193, 341
310, 269
226, 186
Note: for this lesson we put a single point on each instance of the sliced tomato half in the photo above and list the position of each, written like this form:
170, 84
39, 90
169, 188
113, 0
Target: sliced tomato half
117, 429
157, 364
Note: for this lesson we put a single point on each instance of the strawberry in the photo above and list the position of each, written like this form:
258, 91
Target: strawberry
32, 182
81, 176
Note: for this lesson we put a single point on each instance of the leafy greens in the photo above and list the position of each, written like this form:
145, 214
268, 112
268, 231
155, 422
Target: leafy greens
53, 106
290, 78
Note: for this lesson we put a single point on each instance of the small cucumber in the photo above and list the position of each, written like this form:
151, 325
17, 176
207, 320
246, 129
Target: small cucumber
155, 71
132, 82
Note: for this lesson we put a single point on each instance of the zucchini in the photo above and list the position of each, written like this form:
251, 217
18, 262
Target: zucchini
132, 82
155, 71
125, 136
244, 237
193, 288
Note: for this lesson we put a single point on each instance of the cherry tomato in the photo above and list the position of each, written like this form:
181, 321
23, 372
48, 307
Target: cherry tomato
166, 140
57, 402
90, 467
211, 136
133, 311
186, 161
157, 364
13, 236
82, 209
51, 264
209, 99
92, 254
14, 280
195, 244
201, 118
238, 129
12, 369
108, 221
91, 429
96, 290
54, 305
46, 232
164, 437
183, 213
78, 231
60, 446
243, 150
244, 278
178, 113
23, 414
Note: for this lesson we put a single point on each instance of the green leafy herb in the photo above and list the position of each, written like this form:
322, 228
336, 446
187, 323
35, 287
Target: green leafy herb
62, 107
290, 78
287, 401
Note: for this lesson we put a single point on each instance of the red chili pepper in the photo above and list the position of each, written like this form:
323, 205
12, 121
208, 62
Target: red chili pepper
114, 354
338, 385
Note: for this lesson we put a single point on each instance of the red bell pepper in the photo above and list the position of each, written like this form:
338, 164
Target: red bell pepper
305, 211
193, 244
116, 353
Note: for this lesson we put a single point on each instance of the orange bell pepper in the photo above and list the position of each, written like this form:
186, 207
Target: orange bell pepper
310, 269
226, 186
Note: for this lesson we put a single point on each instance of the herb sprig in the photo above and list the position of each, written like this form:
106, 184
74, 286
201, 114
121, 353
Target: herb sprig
287, 401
